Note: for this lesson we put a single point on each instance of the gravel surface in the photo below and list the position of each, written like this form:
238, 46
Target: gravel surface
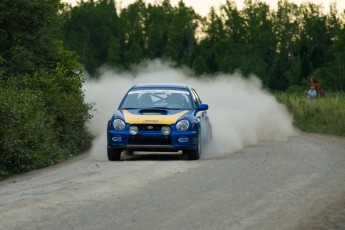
293, 184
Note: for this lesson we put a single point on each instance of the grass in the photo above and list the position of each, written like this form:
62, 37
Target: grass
323, 115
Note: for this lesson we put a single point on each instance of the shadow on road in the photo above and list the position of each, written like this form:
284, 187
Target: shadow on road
149, 156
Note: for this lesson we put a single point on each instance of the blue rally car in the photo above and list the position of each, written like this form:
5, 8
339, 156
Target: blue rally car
159, 117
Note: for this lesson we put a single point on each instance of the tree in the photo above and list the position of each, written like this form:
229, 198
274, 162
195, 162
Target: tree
287, 65
28, 30
332, 74
181, 35
42, 109
133, 55
114, 52
282, 47
233, 47
156, 28
211, 47
200, 65
314, 38
89, 29
132, 19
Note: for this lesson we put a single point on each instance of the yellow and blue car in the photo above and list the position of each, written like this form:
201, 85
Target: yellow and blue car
159, 117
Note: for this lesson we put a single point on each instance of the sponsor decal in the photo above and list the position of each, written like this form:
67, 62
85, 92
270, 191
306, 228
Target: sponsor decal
153, 91
151, 121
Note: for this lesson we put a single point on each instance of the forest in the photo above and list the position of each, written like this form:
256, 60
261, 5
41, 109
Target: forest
283, 47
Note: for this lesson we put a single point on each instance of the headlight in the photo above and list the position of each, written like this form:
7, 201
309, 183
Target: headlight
182, 125
119, 124
166, 130
133, 130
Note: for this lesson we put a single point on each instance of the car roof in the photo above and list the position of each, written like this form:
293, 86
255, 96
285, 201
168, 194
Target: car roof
161, 85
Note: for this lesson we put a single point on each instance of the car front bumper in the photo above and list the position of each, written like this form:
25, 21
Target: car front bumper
152, 141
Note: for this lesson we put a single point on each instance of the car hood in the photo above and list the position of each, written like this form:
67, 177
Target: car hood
153, 116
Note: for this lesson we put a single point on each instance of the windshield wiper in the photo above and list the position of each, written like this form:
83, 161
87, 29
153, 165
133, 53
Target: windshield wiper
174, 108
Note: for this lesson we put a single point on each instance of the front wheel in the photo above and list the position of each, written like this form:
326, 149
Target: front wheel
194, 154
114, 154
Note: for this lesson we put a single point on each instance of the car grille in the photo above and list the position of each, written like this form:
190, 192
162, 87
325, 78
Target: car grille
138, 140
150, 127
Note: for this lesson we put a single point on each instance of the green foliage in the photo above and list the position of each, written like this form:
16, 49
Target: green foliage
199, 65
26, 137
295, 89
323, 115
28, 30
333, 71
114, 52
156, 28
282, 47
181, 39
133, 55
89, 30
42, 111
42, 120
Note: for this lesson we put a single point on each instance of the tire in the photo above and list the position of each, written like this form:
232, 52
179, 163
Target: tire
194, 154
114, 154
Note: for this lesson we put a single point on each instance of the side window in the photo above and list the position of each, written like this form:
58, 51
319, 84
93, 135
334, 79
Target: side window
196, 98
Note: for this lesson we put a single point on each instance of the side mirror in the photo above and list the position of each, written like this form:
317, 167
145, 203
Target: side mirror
202, 107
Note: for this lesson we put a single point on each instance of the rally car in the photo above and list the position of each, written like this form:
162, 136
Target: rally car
159, 117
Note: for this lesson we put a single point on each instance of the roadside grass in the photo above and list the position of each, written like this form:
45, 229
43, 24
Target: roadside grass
323, 115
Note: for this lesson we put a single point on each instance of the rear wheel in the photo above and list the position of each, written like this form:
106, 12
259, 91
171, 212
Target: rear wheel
114, 154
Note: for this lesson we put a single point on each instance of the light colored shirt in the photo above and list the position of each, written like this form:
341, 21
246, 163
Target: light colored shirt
312, 94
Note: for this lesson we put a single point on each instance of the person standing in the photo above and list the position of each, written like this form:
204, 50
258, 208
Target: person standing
315, 82
312, 94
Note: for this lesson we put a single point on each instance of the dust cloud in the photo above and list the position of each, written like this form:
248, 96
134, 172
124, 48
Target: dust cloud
242, 113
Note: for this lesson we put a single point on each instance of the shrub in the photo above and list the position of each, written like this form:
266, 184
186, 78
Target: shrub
26, 137
42, 110
324, 115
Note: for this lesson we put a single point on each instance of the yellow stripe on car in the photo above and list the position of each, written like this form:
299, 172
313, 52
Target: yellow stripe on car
152, 118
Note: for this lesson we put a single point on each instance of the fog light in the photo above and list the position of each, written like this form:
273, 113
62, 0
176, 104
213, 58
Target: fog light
166, 130
133, 130
183, 139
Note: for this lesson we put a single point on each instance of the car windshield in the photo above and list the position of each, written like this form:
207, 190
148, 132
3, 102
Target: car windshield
157, 98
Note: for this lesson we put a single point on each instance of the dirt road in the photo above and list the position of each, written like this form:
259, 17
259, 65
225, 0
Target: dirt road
294, 184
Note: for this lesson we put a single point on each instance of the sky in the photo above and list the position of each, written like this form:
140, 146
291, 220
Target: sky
203, 6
